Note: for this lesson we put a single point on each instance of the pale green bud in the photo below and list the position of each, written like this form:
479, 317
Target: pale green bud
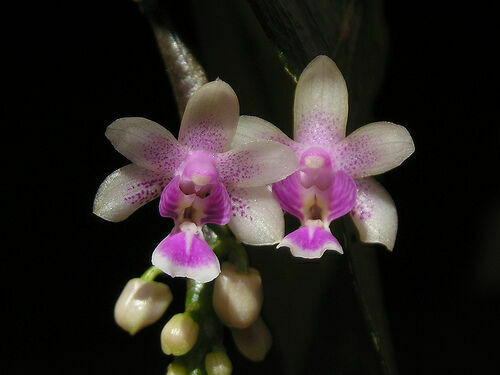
237, 297
218, 363
179, 335
253, 342
176, 369
140, 304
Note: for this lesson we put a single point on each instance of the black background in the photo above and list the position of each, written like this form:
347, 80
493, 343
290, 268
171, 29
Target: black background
72, 70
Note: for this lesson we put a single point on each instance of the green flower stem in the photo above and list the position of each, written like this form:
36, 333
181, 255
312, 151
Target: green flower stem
151, 274
226, 246
239, 256
199, 307
197, 297
216, 237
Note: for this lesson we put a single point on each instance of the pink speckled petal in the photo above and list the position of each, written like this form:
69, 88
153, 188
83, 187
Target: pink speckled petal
374, 149
256, 164
257, 218
342, 195
320, 110
374, 213
125, 190
291, 195
147, 144
310, 241
252, 128
210, 118
173, 201
215, 208
186, 254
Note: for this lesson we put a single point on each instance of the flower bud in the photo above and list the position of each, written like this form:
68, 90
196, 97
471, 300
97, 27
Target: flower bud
140, 304
218, 363
237, 297
179, 335
176, 369
253, 342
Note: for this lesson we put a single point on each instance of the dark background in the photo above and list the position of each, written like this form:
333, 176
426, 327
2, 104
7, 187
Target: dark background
71, 70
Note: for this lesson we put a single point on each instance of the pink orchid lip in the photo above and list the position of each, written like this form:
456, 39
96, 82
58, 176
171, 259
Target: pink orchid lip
316, 168
311, 240
185, 253
199, 174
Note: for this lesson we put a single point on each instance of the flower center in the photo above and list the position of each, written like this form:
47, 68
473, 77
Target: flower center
199, 174
316, 168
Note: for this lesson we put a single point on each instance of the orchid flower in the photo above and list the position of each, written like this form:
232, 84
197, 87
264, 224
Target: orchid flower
333, 178
199, 180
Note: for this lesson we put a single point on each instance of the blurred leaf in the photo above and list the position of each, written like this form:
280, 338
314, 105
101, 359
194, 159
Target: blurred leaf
351, 32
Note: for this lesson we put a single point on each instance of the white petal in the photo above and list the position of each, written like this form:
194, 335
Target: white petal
257, 218
210, 118
374, 213
256, 164
251, 128
374, 149
125, 190
320, 110
146, 143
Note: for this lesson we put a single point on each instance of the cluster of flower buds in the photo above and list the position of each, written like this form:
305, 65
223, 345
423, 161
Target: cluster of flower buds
234, 299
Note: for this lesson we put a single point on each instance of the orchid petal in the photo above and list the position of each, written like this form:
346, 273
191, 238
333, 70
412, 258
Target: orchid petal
210, 118
374, 149
320, 109
310, 241
375, 214
256, 164
186, 254
147, 144
251, 128
291, 195
173, 201
257, 218
125, 190
215, 208
342, 195
333, 202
